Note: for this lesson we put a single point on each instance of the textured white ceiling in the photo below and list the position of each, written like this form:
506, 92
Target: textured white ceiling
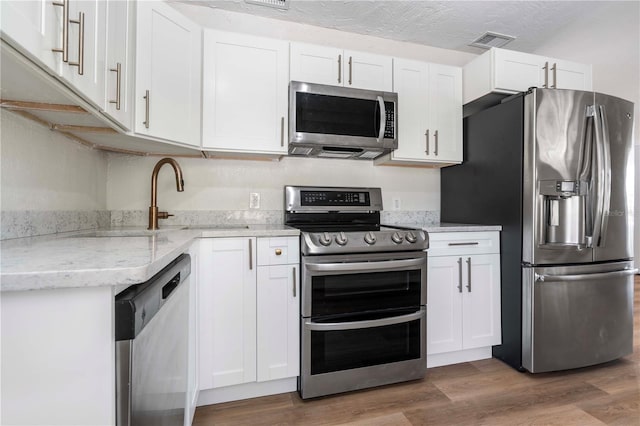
445, 24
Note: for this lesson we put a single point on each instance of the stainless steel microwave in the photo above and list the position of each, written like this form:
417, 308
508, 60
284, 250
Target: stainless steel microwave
341, 122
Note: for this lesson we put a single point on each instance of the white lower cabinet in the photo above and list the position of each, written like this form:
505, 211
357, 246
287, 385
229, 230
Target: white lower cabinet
463, 297
249, 316
193, 385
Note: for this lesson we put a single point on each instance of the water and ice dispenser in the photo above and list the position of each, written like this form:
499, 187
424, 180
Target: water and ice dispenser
565, 213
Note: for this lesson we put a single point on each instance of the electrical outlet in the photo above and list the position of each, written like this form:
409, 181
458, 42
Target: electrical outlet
397, 204
254, 200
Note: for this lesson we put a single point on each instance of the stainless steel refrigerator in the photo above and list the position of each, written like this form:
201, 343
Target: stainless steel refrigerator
555, 169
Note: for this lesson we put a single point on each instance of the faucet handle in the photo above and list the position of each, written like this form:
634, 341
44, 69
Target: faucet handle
164, 215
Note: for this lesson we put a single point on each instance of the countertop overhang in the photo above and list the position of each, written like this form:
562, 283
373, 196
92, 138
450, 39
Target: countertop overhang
115, 257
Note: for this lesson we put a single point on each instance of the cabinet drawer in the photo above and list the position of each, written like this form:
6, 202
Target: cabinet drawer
278, 250
463, 243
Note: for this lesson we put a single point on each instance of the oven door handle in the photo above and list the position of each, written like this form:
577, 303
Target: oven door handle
365, 266
332, 326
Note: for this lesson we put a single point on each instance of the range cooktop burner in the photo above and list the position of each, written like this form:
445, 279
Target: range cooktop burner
345, 220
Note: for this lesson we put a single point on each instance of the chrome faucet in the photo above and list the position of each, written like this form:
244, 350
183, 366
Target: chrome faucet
154, 214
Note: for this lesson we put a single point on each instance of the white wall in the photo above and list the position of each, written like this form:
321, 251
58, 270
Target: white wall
43, 170
226, 184
612, 44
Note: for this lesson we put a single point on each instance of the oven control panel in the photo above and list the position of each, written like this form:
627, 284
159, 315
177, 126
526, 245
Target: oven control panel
334, 198
326, 199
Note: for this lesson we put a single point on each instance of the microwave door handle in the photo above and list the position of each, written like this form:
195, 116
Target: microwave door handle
383, 114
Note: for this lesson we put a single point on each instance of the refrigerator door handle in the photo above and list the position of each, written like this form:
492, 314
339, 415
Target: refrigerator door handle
604, 173
582, 277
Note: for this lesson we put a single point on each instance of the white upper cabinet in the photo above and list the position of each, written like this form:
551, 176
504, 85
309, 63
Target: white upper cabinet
168, 74
119, 61
85, 70
35, 28
337, 67
430, 111
245, 94
67, 37
508, 71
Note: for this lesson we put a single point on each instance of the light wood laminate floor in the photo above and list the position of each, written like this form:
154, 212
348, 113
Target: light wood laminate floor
486, 392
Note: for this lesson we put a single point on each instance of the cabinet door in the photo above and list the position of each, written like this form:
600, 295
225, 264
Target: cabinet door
445, 123
316, 64
168, 70
516, 71
85, 70
410, 81
444, 304
278, 322
430, 104
481, 301
245, 93
571, 75
118, 65
367, 71
35, 28
227, 312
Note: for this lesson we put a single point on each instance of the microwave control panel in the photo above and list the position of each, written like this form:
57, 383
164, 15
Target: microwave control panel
390, 128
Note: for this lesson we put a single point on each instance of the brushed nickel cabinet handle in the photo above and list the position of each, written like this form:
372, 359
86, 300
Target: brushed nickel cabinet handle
555, 76
294, 281
460, 275
475, 243
80, 63
146, 110
250, 254
65, 30
339, 68
435, 136
281, 131
350, 70
426, 134
546, 75
118, 71
469, 273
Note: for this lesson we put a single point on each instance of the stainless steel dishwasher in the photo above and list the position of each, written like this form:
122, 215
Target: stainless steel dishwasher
151, 329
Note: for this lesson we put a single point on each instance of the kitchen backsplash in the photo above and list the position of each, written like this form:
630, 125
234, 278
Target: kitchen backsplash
31, 223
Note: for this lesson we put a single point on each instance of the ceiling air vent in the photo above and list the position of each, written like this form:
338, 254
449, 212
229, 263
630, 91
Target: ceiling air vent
278, 4
489, 40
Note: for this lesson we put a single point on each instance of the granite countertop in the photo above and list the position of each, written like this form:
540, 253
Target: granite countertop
451, 227
460, 227
113, 257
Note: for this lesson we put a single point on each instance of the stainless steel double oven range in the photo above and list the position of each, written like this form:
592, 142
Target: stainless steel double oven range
364, 291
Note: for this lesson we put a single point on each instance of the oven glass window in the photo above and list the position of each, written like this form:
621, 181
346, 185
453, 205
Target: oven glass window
337, 115
355, 348
348, 293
